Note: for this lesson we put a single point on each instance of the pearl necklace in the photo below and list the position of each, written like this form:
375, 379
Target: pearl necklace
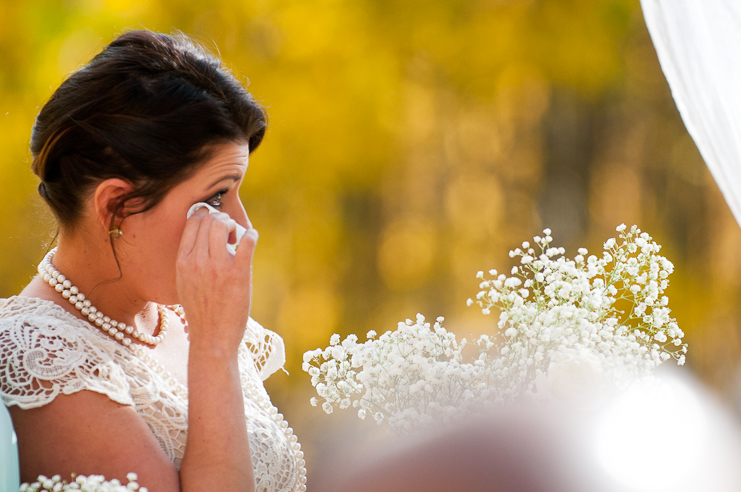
111, 327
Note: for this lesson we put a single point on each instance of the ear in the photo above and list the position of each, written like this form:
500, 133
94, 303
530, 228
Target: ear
108, 195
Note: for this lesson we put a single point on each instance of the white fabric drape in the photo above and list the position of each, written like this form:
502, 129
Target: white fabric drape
699, 47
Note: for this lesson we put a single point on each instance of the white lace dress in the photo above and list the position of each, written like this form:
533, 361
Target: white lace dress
45, 351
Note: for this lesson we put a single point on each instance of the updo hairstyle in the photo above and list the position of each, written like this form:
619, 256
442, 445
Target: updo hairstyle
148, 109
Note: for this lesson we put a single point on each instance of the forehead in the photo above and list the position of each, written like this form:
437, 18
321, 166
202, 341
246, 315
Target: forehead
225, 158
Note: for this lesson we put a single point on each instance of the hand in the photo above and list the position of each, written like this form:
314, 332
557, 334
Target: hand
215, 287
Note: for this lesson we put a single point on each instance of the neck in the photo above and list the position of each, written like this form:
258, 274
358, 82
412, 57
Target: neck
92, 267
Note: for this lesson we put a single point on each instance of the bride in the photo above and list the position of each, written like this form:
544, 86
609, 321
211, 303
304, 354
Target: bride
133, 350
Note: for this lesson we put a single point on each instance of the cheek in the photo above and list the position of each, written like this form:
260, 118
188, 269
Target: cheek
167, 240
159, 242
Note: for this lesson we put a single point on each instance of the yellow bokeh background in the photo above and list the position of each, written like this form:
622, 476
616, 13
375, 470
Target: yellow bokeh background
411, 144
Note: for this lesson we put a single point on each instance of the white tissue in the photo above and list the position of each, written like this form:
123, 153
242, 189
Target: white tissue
232, 248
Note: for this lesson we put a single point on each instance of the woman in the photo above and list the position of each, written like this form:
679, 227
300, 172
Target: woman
124, 148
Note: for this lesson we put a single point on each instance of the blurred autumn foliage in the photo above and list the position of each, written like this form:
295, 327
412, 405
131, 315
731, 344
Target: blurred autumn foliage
411, 144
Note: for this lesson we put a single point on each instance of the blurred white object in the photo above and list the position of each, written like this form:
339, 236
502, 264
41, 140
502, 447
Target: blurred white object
699, 47
666, 435
232, 248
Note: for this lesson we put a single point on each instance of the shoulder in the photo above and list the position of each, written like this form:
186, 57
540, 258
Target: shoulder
29, 325
265, 348
86, 433
32, 325
45, 351
21, 307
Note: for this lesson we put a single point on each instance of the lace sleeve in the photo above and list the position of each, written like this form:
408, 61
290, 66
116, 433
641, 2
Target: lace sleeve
42, 354
266, 347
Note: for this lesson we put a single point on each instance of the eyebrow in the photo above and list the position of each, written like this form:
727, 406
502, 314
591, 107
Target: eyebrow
234, 177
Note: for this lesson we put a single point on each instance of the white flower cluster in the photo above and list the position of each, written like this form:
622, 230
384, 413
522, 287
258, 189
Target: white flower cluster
568, 330
91, 483
408, 378
611, 309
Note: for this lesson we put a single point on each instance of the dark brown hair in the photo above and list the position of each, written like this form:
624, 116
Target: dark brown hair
147, 109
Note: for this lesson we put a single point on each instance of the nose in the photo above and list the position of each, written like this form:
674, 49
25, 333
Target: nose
240, 215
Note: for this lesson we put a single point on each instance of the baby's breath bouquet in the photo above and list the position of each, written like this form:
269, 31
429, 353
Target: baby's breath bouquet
569, 331
91, 483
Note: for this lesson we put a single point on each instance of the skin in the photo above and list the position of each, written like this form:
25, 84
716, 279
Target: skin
165, 259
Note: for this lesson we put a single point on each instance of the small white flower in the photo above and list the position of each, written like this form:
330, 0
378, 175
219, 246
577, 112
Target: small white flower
337, 352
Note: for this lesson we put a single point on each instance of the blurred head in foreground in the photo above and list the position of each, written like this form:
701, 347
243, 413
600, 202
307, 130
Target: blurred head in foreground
670, 436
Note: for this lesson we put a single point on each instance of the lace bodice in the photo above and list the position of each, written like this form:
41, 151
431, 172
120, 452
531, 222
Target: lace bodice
45, 351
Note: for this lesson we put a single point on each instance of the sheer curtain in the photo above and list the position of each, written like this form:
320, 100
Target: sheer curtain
699, 48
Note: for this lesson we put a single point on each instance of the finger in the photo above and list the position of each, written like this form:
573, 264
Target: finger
224, 217
190, 232
218, 235
246, 249
201, 247
227, 229
231, 236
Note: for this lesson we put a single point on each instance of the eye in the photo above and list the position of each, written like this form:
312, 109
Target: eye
215, 200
